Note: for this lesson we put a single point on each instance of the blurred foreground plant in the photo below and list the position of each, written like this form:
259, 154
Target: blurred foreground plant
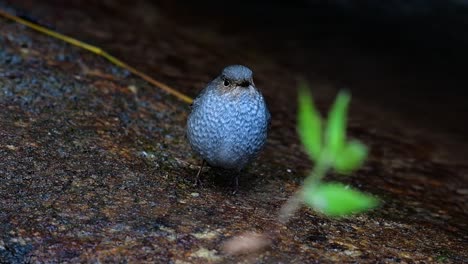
329, 148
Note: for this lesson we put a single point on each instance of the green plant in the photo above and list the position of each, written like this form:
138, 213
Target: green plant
326, 144
330, 149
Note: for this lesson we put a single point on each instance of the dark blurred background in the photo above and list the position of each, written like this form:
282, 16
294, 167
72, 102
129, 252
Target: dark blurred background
420, 41
408, 55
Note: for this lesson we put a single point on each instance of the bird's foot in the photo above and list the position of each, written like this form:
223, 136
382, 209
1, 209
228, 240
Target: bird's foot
236, 185
198, 181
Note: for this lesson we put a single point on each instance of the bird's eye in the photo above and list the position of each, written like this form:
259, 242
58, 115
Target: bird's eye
226, 83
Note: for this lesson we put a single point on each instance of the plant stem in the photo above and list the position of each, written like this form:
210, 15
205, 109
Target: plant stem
310, 183
319, 171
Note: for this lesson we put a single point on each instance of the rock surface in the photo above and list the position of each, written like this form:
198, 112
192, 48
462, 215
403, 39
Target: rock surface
94, 165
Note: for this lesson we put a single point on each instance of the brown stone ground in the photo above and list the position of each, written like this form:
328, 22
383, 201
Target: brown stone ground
94, 166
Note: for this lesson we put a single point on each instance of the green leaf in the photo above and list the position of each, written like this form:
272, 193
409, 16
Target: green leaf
334, 199
309, 123
336, 125
350, 157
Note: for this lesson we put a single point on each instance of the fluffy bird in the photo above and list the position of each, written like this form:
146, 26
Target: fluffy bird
229, 121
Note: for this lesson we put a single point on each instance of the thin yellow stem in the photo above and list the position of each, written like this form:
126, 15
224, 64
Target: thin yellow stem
100, 52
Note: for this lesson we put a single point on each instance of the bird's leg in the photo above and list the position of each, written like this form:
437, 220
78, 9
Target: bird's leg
198, 178
236, 183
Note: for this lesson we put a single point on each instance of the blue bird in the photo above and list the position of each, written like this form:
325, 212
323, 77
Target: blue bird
229, 121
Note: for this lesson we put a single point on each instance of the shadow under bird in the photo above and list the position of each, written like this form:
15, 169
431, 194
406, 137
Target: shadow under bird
229, 121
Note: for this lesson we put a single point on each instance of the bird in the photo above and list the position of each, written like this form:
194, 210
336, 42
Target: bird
229, 120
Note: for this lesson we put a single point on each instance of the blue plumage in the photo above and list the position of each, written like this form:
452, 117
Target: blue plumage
229, 120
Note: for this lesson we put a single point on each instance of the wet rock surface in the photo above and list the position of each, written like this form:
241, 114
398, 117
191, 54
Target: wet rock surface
94, 165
